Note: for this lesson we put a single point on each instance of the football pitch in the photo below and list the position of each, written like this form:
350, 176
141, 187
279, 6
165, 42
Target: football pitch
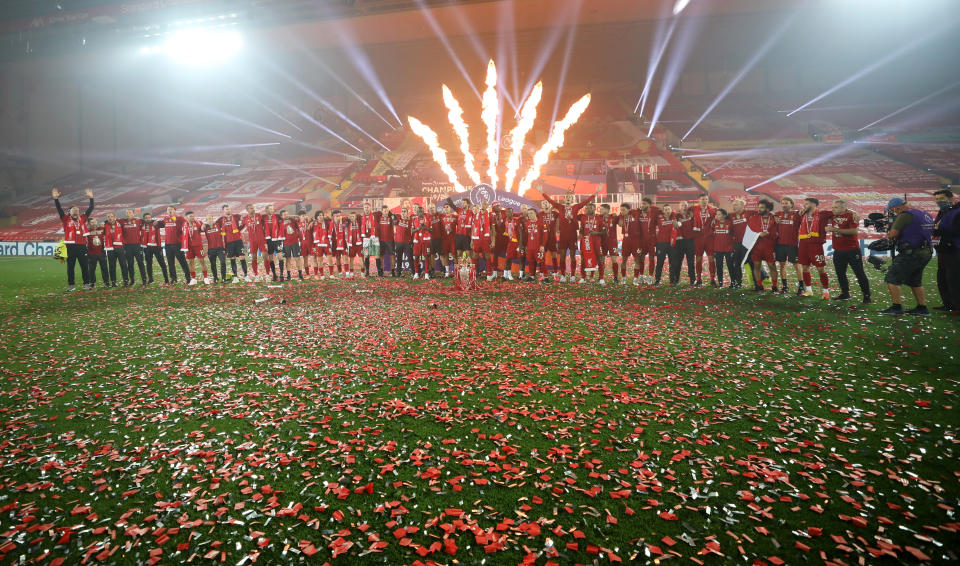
384, 421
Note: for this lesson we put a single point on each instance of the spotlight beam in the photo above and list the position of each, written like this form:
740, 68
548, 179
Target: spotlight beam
660, 47
365, 67
846, 148
678, 58
235, 119
888, 58
275, 113
326, 129
567, 50
747, 67
432, 21
566, 19
912, 104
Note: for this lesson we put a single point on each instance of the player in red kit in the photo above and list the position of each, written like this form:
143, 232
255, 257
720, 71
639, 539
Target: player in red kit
370, 232
273, 233
632, 242
609, 243
786, 250
480, 239
74, 228
722, 234
231, 226
306, 242
132, 249
648, 216
844, 227
568, 223
172, 226
386, 239
765, 225
355, 249
665, 234
402, 239
423, 258
95, 256
216, 249
321, 242
463, 229
192, 243
703, 214
534, 245
811, 234
113, 246
152, 244
256, 239
290, 230
685, 246
592, 231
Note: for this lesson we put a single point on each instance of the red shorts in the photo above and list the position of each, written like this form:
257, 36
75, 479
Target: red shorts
321, 250
421, 248
195, 252
258, 245
608, 247
533, 257
811, 253
306, 249
762, 251
354, 251
630, 247
449, 244
512, 250
703, 245
480, 245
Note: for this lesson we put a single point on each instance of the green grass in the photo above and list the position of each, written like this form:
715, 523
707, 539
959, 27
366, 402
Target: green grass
574, 409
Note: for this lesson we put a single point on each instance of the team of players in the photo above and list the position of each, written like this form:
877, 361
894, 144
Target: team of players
545, 244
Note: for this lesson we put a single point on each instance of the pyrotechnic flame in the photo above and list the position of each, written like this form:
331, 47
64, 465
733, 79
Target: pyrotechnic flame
554, 143
460, 127
528, 115
491, 108
429, 137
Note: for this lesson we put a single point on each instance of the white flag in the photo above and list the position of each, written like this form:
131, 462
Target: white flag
749, 240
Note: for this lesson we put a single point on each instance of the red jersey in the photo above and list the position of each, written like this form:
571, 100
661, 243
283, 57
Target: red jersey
813, 226
764, 223
568, 217
74, 228
665, 229
173, 229
436, 225
112, 236
611, 222
192, 235
272, 229
370, 225
590, 225
254, 225
739, 222
722, 231
845, 243
131, 230
701, 219
354, 235
339, 237
649, 221
535, 234
150, 235
632, 227
306, 234
386, 228
95, 241
230, 227
290, 231
481, 226
321, 232
449, 224
787, 225
464, 222
402, 232
684, 226
214, 236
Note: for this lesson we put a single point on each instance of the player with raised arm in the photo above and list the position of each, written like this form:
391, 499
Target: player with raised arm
568, 223
74, 228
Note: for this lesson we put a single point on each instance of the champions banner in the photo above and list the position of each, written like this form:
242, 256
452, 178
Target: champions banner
27, 248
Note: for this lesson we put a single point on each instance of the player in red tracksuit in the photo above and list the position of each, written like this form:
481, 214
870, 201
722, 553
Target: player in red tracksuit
339, 239
811, 234
609, 243
355, 247
74, 228
739, 219
423, 257
192, 243
402, 239
703, 214
231, 226
386, 239
665, 235
172, 225
113, 247
480, 239
534, 245
132, 250
567, 225
152, 247
256, 239
95, 255
765, 225
632, 242
685, 247
721, 231
648, 216
786, 249
216, 248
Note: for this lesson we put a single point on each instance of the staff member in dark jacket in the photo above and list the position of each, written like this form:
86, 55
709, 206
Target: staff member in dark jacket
946, 240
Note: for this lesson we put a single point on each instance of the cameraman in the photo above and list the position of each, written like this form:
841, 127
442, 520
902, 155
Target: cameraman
912, 230
946, 238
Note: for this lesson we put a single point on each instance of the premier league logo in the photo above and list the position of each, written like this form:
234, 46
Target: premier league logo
483, 194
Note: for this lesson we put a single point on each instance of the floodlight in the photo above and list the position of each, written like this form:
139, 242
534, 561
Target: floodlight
199, 46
